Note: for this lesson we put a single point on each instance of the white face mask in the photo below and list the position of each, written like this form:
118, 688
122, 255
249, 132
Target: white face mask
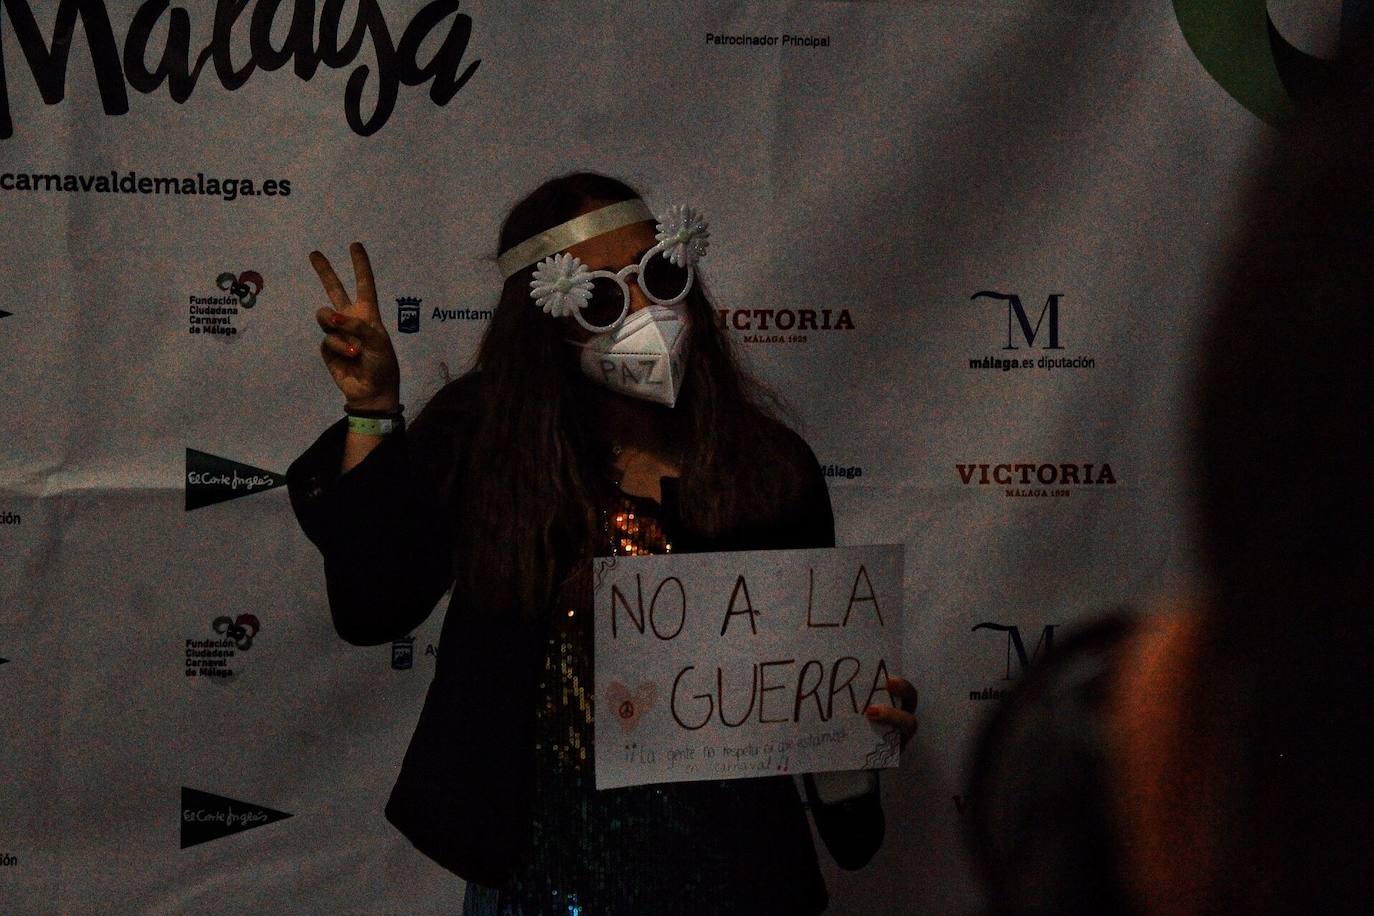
644, 357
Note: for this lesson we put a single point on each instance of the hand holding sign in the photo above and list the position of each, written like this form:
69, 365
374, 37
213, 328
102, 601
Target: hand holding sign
901, 718
748, 663
356, 348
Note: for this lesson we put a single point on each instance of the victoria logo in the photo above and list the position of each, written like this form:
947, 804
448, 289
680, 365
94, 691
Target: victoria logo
206, 816
1038, 478
776, 326
1015, 650
305, 46
211, 479
1025, 337
1241, 48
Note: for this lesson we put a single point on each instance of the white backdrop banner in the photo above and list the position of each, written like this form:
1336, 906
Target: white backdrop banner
970, 243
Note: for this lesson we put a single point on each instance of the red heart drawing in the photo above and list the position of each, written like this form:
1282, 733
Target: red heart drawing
627, 709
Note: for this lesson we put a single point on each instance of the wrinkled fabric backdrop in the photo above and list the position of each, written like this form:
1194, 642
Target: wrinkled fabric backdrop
867, 175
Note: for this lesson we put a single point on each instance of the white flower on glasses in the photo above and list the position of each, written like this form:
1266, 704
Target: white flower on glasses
561, 285
682, 232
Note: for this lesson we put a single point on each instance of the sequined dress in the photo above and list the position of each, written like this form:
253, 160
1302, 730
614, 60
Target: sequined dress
472, 785
638, 850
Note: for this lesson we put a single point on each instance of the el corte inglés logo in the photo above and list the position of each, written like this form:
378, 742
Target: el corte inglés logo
211, 479
206, 816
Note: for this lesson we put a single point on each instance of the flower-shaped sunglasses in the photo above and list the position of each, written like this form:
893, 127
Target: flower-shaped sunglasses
600, 299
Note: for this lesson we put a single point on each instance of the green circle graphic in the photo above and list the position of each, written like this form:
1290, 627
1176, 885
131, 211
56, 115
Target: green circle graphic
1238, 45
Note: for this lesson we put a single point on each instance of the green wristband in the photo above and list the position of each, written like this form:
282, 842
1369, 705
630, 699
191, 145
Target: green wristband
373, 426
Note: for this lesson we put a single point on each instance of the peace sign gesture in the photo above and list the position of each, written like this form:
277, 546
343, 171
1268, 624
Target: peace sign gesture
356, 347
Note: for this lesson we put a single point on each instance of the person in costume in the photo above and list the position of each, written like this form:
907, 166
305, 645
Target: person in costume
606, 414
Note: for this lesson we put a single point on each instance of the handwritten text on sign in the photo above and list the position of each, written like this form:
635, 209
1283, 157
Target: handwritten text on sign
751, 663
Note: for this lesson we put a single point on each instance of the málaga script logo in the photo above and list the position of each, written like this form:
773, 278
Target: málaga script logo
306, 46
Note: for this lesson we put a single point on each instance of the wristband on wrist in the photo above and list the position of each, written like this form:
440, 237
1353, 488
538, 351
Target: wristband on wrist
374, 426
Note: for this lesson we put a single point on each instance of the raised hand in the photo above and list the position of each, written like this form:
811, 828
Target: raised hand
356, 347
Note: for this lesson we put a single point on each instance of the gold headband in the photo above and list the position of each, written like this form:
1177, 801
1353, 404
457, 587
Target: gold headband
565, 235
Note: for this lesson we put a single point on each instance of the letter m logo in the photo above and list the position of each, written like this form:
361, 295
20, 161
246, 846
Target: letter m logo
1017, 312
1016, 645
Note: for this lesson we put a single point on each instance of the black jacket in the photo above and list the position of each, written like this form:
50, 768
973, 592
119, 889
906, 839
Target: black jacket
462, 797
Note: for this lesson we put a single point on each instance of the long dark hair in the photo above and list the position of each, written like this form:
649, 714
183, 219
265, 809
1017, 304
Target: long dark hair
1283, 451
530, 489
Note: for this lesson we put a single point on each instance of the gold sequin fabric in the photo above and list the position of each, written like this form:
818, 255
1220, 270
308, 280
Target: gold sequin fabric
638, 850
